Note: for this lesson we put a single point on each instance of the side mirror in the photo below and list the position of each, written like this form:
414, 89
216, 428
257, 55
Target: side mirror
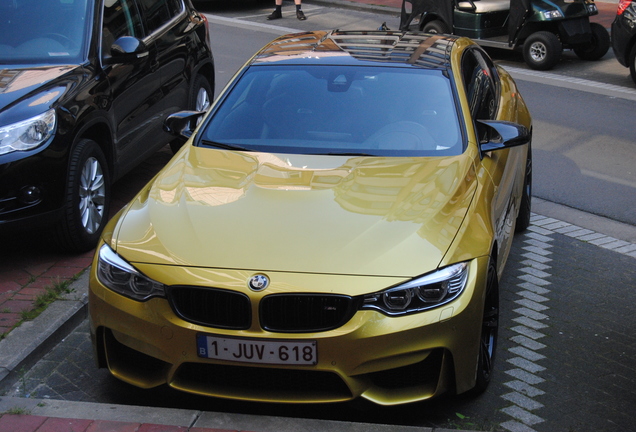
182, 123
127, 49
496, 135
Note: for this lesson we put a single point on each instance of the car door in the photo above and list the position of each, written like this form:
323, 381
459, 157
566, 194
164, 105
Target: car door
135, 86
167, 24
481, 81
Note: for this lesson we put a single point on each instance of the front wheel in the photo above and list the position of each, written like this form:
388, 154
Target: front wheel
435, 27
200, 99
598, 46
489, 332
542, 50
87, 198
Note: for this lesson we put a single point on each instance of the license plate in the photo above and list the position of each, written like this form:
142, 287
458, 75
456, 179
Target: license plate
257, 350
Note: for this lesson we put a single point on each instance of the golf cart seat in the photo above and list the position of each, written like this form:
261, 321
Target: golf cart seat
483, 6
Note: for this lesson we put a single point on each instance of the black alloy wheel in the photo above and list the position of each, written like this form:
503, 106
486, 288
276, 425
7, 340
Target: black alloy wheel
489, 331
525, 207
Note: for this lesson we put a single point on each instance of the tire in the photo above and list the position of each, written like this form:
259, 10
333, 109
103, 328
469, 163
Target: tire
542, 50
599, 45
525, 208
435, 27
87, 204
632, 63
199, 99
489, 332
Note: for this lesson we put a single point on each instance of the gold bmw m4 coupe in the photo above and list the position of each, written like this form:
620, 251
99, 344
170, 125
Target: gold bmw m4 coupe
334, 228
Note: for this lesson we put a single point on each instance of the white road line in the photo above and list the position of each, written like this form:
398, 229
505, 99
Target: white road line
572, 83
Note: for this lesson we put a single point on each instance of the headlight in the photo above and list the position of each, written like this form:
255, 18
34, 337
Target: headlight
27, 134
426, 292
121, 277
552, 14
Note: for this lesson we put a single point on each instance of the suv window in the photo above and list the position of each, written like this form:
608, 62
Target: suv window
121, 18
159, 12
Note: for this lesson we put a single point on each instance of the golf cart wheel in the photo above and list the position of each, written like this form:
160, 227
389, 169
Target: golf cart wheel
542, 50
435, 26
632, 63
599, 45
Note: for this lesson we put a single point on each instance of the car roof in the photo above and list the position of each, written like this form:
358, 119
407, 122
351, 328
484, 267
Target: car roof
393, 48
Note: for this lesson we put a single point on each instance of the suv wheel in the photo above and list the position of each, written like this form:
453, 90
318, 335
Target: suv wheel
87, 198
632, 63
542, 50
200, 99
599, 45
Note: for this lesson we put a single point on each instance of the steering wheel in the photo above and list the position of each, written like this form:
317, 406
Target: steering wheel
58, 37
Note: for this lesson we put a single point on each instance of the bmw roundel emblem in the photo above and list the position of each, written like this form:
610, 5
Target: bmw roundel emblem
258, 282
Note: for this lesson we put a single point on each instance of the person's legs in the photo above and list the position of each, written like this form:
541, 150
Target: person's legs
299, 13
277, 12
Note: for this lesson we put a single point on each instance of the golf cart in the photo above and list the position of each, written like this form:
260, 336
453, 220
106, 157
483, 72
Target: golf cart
539, 28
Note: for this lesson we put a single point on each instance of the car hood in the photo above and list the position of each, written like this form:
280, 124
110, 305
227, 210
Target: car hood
296, 213
26, 83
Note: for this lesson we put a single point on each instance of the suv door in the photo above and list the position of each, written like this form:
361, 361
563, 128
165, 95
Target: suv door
172, 31
135, 86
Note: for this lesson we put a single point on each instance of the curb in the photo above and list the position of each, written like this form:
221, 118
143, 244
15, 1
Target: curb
26, 344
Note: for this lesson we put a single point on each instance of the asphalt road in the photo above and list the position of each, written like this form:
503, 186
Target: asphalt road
567, 341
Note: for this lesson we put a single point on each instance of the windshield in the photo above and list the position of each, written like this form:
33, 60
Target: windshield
351, 110
42, 31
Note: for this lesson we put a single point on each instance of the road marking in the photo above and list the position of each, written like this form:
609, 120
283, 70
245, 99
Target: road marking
608, 178
268, 28
572, 83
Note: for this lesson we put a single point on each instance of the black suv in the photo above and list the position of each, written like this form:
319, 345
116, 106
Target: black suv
624, 35
85, 87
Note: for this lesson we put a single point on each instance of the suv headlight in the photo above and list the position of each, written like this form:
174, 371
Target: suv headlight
552, 14
426, 292
118, 275
27, 134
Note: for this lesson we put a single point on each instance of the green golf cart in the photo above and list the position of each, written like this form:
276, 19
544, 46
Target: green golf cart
541, 29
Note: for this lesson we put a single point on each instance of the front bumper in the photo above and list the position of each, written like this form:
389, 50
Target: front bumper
387, 360
31, 189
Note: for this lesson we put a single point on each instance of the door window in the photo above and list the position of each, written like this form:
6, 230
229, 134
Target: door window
479, 76
121, 18
159, 12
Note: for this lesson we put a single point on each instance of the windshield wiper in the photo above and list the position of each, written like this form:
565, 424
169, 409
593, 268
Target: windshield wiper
225, 146
348, 154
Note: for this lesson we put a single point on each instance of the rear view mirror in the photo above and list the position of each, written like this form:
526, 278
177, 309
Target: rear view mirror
127, 49
182, 123
496, 135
